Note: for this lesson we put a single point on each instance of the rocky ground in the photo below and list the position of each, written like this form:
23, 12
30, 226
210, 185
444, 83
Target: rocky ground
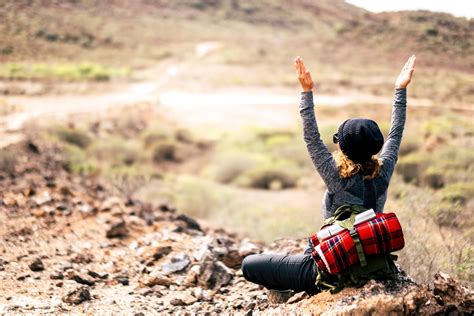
70, 245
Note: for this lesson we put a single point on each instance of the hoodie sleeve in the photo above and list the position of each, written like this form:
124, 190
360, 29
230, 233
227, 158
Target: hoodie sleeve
389, 154
319, 153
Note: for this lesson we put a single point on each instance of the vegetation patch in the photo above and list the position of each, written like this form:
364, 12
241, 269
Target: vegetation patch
64, 72
73, 136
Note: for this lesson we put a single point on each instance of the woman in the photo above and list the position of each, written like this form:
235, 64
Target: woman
353, 175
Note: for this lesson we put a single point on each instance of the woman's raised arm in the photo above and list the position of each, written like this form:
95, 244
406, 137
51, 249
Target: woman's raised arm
320, 155
389, 154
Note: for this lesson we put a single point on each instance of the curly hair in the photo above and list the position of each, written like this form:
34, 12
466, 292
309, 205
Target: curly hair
348, 168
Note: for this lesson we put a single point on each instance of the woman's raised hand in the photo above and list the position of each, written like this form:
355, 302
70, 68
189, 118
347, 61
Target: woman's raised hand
405, 75
304, 76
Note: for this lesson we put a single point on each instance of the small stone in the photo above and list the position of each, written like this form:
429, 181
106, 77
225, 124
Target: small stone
82, 258
38, 212
60, 284
117, 230
67, 265
98, 275
250, 306
191, 223
36, 265
183, 299
42, 198
279, 297
77, 296
84, 279
155, 254
122, 279
297, 297
23, 277
56, 275
145, 291
156, 278
191, 276
178, 263
232, 259
247, 248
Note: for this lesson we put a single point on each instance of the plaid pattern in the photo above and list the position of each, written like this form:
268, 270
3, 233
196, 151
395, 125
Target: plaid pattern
380, 235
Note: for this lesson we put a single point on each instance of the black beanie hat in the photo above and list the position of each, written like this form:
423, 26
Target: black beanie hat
360, 139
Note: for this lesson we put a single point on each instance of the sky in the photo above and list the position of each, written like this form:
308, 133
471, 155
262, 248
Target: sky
456, 7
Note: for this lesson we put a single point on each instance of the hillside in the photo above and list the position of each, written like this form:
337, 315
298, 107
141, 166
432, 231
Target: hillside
350, 47
71, 245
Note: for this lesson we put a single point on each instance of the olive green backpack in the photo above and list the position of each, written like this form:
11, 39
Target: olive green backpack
375, 267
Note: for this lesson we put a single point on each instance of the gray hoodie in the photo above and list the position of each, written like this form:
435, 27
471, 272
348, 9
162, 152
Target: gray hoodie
352, 190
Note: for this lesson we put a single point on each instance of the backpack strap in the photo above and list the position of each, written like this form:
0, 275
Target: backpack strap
359, 248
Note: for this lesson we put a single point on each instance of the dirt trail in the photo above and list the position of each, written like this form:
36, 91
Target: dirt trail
224, 110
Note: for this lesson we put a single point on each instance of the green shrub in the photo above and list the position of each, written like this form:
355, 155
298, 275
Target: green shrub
452, 206
117, 152
226, 167
197, 197
72, 136
68, 72
155, 135
433, 178
79, 162
458, 193
447, 214
270, 177
411, 167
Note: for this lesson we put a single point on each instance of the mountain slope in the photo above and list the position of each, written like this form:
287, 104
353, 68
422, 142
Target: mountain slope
100, 30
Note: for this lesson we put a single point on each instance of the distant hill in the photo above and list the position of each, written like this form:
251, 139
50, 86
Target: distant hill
348, 46
98, 29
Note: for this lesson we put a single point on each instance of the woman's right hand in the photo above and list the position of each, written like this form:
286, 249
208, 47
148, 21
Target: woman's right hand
405, 75
304, 76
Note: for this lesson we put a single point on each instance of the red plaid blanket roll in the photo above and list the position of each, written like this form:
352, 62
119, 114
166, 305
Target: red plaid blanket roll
381, 235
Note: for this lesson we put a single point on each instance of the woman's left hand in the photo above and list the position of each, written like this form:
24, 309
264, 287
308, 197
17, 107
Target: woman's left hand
404, 78
304, 76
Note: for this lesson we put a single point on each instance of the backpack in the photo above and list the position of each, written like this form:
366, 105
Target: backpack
354, 266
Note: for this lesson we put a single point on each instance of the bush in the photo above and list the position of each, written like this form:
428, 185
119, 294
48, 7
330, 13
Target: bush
433, 178
459, 193
155, 135
117, 152
72, 136
227, 167
452, 207
77, 161
270, 177
411, 167
165, 151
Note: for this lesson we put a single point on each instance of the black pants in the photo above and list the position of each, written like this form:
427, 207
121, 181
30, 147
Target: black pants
281, 272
